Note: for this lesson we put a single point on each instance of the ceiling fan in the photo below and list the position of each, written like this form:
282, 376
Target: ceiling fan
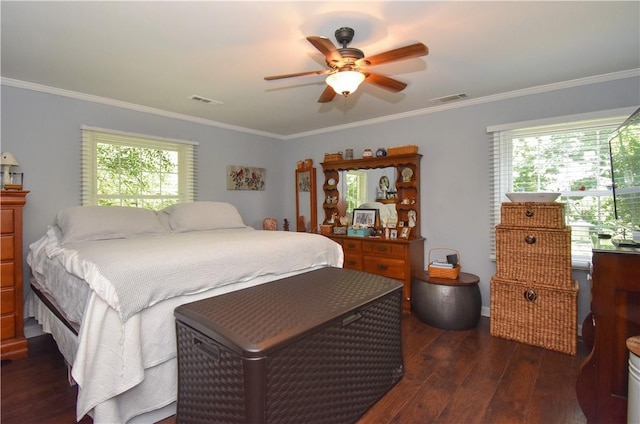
348, 66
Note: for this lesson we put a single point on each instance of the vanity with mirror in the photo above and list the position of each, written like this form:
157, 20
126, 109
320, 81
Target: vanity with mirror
391, 186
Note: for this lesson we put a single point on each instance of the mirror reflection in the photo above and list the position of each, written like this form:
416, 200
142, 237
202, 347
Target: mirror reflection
306, 214
370, 189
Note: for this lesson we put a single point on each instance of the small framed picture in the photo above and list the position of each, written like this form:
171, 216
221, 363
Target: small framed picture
365, 217
393, 234
405, 232
401, 224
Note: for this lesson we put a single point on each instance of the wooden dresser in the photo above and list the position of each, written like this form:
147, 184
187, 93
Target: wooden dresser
13, 342
602, 383
394, 258
390, 258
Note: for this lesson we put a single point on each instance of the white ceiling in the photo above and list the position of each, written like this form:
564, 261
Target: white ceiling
155, 54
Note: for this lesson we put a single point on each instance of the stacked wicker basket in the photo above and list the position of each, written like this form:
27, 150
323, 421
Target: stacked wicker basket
533, 295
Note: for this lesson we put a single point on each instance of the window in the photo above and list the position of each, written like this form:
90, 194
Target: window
120, 169
356, 192
571, 158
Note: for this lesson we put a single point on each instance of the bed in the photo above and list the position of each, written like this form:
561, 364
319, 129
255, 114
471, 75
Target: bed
107, 279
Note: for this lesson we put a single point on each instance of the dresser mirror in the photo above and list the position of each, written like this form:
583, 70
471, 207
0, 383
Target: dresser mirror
359, 187
306, 209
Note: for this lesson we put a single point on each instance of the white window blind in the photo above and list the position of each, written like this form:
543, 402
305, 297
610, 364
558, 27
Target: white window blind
568, 157
126, 169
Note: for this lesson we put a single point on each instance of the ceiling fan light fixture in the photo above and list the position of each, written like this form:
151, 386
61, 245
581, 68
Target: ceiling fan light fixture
345, 82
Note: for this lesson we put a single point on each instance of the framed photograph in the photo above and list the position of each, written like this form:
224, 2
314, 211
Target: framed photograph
393, 234
365, 217
405, 232
401, 224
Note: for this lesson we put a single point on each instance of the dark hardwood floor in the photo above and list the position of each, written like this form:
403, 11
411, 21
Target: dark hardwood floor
450, 377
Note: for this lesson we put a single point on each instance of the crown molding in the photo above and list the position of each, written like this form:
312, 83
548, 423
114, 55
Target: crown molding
419, 112
125, 105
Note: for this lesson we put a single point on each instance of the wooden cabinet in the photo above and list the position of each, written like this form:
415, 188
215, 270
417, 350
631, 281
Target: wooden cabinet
395, 259
400, 258
13, 343
601, 385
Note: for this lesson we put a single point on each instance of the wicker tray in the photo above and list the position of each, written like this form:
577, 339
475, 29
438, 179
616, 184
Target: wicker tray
538, 315
439, 272
542, 215
402, 150
332, 157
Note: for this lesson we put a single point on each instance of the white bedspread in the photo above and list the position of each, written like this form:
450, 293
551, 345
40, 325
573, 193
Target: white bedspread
123, 336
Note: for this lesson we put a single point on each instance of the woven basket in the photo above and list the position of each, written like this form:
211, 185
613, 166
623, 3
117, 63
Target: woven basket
438, 272
402, 150
542, 215
538, 315
331, 157
539, 255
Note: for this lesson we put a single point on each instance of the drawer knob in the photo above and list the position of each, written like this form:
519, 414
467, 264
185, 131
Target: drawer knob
382, 267
530, 295
352, 263
382, 249
529, 213
351, 246
530, 239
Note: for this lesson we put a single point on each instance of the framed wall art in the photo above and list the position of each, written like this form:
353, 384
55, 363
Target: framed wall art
245, 178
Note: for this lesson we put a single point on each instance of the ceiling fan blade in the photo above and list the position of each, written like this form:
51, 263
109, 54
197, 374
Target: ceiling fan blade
298, 74
385, 82
327, 95
402, 53
326, 47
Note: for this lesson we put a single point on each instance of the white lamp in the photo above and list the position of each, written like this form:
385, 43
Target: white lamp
7, 162
345, 82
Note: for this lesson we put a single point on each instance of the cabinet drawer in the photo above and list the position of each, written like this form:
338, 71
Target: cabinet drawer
352, 261
387, 249
392, 268
6, 274
6, 221
6, 247
352, 246
7, 301
7, 326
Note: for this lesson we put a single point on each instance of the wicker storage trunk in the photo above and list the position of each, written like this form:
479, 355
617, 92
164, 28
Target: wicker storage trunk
534, 255
535, 314
534, 298
319, 347
533, 215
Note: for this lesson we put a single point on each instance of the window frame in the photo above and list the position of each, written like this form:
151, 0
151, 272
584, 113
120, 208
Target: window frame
501, 166
92, 136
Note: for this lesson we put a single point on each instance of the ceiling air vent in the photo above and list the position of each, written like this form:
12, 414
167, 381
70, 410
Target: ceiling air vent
450, 98
204, 100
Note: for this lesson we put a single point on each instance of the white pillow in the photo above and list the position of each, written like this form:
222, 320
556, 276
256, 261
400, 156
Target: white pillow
82, 223
200, 216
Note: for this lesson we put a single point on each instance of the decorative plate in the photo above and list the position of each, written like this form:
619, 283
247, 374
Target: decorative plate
331, 181
406, 173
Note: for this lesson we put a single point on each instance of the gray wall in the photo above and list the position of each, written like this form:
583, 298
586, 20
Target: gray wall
454, 168
43, 132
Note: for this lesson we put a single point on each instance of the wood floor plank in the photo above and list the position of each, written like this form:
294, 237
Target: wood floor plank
474, 393
510, 401
451, 377
554, 397
451, 358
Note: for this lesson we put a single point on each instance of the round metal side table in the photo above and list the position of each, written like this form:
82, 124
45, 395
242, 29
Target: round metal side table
446, 303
